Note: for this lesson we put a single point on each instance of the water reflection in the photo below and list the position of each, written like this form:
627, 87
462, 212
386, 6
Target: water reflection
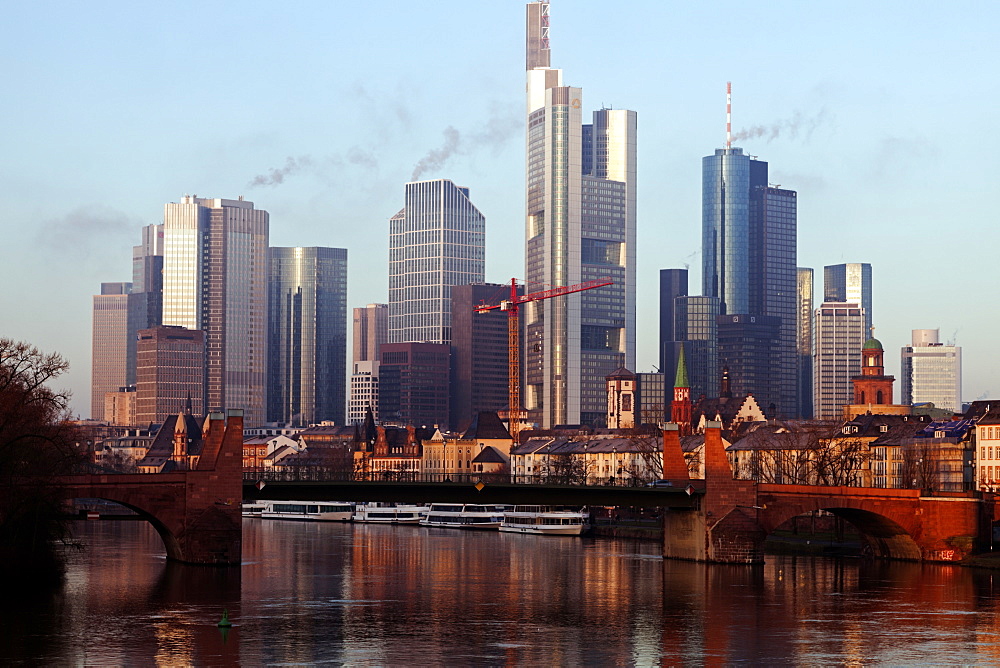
368, 594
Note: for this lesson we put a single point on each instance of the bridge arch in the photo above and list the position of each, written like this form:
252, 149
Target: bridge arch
883, 537
170, 541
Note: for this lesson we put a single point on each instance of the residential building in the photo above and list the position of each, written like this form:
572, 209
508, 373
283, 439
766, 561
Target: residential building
364, 391
480, 351
580, 225
850, 283
436, 241
486, 442
987, 451
414, 384
307, 335
215, 279
654, 404
170, 373
110, 341
931, 371
840, 334
119, 407
804, 341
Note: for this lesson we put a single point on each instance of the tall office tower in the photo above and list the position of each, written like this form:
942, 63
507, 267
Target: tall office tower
109, 361
850, 283
673, 284
371, 329
215, 279
145, 308
749, 264
931, 371
413, 383
697, 329
364, 391
479, 354
580, 225
170, 373
654, 405
747, 347
840, 334
804, 341
436, 241
307, 335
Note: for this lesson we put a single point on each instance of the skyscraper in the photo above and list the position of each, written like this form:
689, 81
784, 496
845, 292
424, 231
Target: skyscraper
110, 344
307, 335
413, 383
697, 331
850, 283
145, 308
804, 341
749, 264
673, 284
170, 373
931, 371
215, 279
840, 334
371, 330
580, 225
436, 241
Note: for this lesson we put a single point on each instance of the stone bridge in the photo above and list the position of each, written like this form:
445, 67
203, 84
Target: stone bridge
736, 516
197, 513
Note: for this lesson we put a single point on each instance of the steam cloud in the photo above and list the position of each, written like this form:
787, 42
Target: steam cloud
85, 226
277, 175
436, 158
496, 133
791, 127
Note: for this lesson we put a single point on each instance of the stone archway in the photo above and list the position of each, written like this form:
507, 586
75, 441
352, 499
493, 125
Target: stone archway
882, 537
170, 542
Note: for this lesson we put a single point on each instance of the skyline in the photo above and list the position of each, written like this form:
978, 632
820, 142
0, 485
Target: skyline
879, 132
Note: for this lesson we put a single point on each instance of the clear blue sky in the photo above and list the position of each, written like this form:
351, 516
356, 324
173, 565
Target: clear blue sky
886, 114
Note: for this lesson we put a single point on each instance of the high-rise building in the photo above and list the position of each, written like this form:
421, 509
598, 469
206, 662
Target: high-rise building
145, 302
119, 407
673, 284
371, 329
109, 360
413, 383
364, 391
850, 283
748, 350
804, 341
436, 241
215, 279
170, 373
307, 335
840, 335
479, 354
580, 225
697, 331
931, 371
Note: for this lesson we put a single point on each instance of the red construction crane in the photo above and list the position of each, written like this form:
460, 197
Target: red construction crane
511, 305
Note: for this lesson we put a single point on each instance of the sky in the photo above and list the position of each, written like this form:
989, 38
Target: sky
880, 115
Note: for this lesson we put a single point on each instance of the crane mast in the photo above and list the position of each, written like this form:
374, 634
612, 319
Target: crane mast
511, 307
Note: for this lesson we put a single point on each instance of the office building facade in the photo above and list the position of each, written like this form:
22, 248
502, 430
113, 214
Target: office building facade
371, 329
170, 373
697, 331
364, 391
307, 335
673, 284
804, 340
436, 241
580, 226
931, 371
840, 335
413, 384
110, 344
215, 280
850, 283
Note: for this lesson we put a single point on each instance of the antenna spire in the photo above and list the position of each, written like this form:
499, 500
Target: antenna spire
729, 114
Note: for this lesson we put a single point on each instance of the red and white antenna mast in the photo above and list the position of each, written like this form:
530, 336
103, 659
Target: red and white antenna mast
729, 114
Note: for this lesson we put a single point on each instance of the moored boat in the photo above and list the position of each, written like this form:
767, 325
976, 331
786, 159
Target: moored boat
389, 513
554, 520
468, 516
314, 511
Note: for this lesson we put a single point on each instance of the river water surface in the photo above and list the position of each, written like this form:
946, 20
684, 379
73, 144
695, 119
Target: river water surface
311, 593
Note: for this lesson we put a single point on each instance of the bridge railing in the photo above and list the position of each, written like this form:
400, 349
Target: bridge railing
326, 474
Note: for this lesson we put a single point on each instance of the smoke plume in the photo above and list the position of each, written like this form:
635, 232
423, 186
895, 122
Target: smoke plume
437, 157
790, 128
85, 227
277, 175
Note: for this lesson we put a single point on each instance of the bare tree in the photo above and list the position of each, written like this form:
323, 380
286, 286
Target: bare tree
841, 461
920, 466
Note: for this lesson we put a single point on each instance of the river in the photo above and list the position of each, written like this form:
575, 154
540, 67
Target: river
311, 593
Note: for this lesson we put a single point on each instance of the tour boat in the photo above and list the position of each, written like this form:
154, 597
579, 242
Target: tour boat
468, 516
555, 520
253, 508
317, 511
389, 513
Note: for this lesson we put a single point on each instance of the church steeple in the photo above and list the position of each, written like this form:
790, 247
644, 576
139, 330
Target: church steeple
873, 387
680, 407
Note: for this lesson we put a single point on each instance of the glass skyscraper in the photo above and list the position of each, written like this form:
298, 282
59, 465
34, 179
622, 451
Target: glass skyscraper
851, 283
436, 241
804, 341
307, 335
215, 279
580, 225
931, 371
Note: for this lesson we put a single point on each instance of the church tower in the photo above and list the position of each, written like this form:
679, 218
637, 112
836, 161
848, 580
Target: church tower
621, 399
680, 408
872, 387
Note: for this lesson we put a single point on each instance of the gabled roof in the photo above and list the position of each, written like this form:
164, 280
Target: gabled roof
489, 455
950, 429
486, 425
163, 443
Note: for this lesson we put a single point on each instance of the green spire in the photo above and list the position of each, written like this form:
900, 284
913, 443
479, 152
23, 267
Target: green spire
682, 370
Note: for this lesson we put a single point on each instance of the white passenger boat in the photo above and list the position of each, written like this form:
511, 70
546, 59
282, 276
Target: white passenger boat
315, 511
389, 513
555, 520
253, 508
468, 516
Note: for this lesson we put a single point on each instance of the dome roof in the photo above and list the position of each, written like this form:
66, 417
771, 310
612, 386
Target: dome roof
872, 344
